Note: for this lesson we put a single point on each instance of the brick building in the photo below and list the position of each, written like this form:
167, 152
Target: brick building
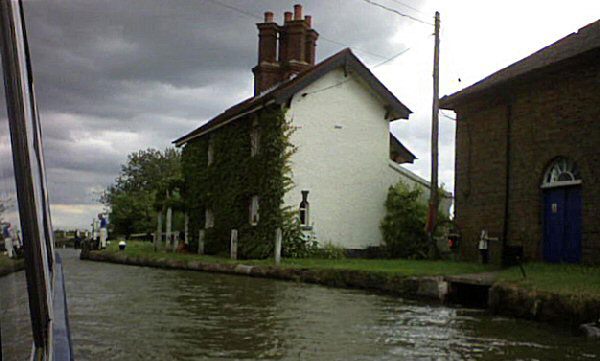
527, 154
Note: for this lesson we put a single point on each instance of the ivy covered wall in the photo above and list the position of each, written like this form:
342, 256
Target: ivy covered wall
227, 185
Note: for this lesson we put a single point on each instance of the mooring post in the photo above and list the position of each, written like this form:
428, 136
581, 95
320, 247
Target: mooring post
158, 234
201, 241
169, 234
185, 229
234, 243
278, 237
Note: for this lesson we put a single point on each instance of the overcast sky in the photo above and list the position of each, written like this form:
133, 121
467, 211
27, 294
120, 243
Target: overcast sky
115, 76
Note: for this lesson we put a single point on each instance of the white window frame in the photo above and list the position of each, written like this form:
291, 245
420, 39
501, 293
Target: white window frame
306, 210
559, 167
254, 215
254, 142
209, 218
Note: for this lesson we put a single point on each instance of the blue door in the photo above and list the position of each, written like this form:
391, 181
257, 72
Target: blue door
562, 224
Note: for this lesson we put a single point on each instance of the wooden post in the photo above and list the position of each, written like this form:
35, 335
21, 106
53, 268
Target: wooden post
186, 228
278, 238
434, 196
234, 243
201, 241
169, 235
158, 234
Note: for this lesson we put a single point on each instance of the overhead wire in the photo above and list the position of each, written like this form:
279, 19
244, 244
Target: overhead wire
408, 6
397, 12
258, 17
351, 75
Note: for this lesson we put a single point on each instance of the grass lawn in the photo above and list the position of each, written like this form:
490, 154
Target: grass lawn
8, 265
405, 267
555, 278
5, 261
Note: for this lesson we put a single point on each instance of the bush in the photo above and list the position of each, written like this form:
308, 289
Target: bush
403, 227
295, 243
331, 251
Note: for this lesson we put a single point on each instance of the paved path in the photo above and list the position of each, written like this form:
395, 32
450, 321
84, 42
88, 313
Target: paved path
480, 279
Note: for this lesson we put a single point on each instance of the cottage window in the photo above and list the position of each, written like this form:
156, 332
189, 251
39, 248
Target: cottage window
305, 210
210, 154
209, 220
254, 216
254, 142
561, 172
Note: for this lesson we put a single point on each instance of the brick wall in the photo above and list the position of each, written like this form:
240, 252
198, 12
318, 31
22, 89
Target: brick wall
557, 114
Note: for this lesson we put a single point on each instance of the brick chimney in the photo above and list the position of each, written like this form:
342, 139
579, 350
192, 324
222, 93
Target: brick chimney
267, 72
283, 50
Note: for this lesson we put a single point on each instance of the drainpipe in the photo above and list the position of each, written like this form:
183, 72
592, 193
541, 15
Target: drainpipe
507, 181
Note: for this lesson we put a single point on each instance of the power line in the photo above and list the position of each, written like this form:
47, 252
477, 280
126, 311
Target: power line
353, 47
351, 75
447, 116
396, 12
256, 16
408, 6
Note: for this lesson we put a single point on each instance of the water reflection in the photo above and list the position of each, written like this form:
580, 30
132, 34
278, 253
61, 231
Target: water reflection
135, 313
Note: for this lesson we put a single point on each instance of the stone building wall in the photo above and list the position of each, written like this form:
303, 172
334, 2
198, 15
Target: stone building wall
557, 114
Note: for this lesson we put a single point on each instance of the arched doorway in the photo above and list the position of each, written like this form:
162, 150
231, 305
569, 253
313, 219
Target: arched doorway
562, 212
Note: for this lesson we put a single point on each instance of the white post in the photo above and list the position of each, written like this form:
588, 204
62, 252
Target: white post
169, 235
278, 237
201, 241
234, 243
158, 234
185, 230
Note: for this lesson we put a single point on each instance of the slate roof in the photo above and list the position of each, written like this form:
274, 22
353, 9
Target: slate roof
400, 150
281, 93
584, 41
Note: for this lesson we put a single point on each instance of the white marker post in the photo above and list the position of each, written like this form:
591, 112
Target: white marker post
201, 241
234, 243
278, 238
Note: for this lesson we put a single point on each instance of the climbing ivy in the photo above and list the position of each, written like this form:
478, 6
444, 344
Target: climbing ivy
227, 185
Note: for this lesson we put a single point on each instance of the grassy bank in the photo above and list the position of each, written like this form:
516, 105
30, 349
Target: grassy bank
561, 279
8, 265
399, 266
550, 278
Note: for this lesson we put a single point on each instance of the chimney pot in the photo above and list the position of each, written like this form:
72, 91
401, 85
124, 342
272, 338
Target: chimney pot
308, 20
297, 12
268, 17
287, 16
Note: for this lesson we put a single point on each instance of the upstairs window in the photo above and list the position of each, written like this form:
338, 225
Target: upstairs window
254, 139
210, 154
209, 218
254, 216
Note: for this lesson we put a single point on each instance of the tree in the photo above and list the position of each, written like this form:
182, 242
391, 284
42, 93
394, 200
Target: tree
403, 226
139, 190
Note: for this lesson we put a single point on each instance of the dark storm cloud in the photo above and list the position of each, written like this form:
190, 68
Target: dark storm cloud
116, 76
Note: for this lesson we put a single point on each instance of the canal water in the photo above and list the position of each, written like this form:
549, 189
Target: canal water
134, 313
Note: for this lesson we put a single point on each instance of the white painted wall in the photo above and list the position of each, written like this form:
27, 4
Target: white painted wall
342, 159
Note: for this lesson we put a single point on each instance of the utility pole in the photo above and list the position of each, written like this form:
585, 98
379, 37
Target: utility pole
434, 196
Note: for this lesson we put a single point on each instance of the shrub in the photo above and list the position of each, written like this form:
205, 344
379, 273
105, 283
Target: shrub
296, 244
403, 227
331, 251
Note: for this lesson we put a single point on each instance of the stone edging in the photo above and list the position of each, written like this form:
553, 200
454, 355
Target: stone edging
569, 310
503, 299
431, 288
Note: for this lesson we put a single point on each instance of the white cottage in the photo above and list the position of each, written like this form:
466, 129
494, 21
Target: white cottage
346, 157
